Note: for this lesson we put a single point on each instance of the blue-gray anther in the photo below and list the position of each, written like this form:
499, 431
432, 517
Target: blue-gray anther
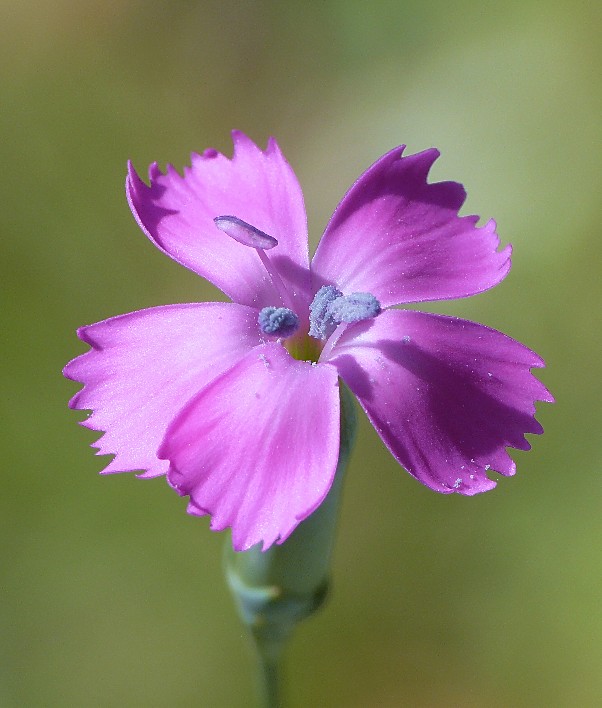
321, 325
354, 308
330, 308
244, 233
278, 321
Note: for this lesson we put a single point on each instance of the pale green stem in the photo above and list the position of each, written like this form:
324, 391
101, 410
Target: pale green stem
277, 589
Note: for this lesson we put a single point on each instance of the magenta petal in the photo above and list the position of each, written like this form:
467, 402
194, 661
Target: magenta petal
257, 186
258, 447
401, 239
447, 396
144, 366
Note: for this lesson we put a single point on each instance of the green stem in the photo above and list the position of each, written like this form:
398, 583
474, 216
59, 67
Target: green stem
277, 589
271, 680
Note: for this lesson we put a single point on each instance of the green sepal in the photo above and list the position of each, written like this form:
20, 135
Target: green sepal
276, 589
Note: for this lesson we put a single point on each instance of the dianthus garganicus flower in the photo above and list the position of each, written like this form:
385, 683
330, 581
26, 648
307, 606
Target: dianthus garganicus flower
238, 403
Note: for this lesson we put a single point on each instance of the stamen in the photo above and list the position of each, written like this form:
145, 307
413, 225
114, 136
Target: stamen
251, 236
321, 325
354, 308
244, 233
331, 312
278, 321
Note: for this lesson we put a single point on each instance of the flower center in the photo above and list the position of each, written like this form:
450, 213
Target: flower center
329, 313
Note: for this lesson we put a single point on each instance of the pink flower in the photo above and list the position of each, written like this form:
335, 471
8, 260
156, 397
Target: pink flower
238, 403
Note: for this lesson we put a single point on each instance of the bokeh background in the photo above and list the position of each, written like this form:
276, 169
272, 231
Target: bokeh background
111, 594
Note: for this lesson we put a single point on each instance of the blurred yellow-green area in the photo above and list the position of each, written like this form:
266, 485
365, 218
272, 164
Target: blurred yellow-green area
111, 594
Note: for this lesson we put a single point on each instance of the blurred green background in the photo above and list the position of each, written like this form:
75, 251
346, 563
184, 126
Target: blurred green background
112, 595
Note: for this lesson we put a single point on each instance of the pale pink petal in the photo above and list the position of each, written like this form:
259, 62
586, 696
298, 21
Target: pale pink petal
144, 366
400, 238
257, 186
447, 396
258, 447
